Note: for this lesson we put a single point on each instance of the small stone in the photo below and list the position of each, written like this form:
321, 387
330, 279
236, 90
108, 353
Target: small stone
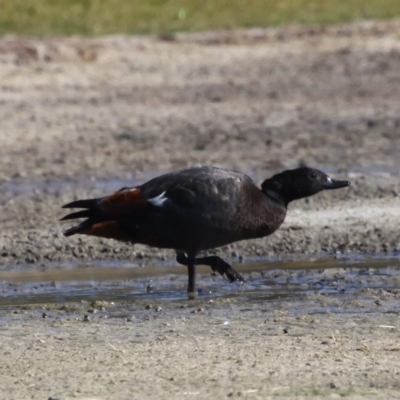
86, 318
44, 315
285, 330
101, 305
149, 288
148, 306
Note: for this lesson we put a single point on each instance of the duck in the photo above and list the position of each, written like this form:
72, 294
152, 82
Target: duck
196, 209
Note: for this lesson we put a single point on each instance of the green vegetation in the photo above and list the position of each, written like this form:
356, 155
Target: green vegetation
100, 17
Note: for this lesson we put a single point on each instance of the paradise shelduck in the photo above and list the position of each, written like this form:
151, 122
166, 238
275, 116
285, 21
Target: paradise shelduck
197, 209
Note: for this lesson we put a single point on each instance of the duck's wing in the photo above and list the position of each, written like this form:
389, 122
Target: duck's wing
202, 187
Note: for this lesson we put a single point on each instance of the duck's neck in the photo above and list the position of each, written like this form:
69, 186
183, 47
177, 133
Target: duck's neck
275, 197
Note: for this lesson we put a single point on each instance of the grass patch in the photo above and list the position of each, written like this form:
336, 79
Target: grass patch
102, 17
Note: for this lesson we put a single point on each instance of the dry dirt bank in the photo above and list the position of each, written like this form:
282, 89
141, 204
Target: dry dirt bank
81, 117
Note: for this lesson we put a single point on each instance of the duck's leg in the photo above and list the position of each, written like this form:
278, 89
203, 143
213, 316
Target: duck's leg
216, 263
190, 262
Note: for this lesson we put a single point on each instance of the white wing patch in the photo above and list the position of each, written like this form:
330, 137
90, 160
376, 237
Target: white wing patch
159, 200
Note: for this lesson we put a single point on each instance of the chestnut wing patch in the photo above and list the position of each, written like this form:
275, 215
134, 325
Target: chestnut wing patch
121, 203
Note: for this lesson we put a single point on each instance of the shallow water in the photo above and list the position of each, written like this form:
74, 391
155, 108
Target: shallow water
265, 281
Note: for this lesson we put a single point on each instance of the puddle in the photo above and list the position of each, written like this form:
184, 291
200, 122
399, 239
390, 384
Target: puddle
266, 281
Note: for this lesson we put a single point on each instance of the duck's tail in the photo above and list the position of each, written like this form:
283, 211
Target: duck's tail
89, 213
104, 215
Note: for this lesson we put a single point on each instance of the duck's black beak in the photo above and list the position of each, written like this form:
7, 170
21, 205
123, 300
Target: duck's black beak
335, 184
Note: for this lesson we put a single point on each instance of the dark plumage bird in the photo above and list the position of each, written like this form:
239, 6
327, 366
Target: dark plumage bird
196, 209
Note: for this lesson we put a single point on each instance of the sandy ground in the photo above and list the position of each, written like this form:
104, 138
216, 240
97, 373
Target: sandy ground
83, 117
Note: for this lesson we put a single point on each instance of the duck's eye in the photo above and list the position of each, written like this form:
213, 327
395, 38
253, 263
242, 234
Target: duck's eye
313, 175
